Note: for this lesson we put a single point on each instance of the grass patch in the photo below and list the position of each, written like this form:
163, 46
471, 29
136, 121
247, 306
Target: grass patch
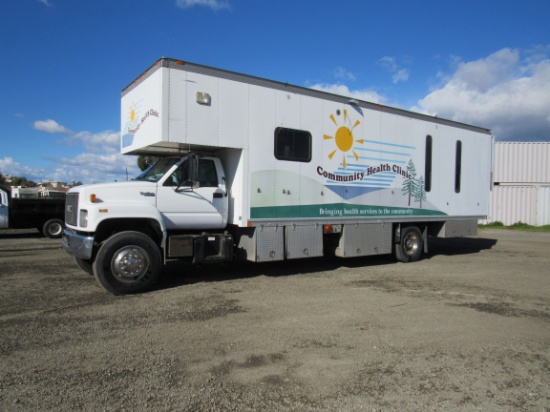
516, 226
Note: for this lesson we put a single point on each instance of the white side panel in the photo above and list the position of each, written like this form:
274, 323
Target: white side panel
144, 116
201, 119
233, 114
236, 175
311, 110
223, 122
261, 128
287, 184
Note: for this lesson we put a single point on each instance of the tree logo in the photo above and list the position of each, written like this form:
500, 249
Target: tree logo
413, 187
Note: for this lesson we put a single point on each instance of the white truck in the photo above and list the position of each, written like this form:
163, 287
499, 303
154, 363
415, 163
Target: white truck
265, 171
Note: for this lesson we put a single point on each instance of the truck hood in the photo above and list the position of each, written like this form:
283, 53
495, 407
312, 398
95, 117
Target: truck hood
120, 192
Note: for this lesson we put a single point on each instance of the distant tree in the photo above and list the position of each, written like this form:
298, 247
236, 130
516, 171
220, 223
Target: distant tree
22, 181
2, 178
144, 161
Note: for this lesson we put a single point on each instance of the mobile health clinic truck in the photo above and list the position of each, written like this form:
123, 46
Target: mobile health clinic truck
260, 170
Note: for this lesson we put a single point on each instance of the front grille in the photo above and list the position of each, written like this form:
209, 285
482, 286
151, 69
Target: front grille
71, 209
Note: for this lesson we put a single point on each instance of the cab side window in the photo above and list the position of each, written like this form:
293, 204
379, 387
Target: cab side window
207, 174
179, 176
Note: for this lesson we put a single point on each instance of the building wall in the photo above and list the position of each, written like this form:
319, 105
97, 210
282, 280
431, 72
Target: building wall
527, 204
521, 191
522, 163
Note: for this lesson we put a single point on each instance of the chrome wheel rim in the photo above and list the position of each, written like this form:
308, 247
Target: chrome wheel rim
130, 263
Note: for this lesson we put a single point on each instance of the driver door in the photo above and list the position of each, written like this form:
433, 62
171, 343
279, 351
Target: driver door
187, 207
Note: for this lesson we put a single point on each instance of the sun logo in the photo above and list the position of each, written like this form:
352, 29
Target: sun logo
134, 111
344, 137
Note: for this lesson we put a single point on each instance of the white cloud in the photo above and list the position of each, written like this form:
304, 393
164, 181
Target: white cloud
343, 74
100, 161
400, 76
46, 2
390, 64
503, 91
10, 167
108, 141
340, 89
97, 167
50, 126
212, 4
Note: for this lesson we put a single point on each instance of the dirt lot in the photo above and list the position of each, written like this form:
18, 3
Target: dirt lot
465, 329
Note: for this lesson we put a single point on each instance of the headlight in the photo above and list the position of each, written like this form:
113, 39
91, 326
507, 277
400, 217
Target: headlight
83, 218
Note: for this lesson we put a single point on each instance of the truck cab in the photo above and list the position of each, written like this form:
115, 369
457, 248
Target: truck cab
124, 231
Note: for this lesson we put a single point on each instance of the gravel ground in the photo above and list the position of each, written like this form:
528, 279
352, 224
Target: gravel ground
465, 329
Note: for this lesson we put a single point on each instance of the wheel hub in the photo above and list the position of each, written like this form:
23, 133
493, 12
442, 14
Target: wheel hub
130, 263
411, 244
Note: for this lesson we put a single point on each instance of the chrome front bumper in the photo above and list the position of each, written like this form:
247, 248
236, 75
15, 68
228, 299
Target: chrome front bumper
77, 245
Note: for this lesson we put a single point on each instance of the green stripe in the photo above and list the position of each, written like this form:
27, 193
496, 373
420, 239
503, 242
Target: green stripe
338, 210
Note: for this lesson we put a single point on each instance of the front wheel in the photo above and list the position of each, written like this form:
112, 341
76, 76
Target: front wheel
53, 228
409, 248
85, 265
128, 262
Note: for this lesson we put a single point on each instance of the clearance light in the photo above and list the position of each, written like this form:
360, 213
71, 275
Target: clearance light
332, 229
93, 198
203, 98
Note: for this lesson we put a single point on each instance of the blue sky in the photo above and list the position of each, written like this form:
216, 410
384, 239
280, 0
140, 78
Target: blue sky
65, 62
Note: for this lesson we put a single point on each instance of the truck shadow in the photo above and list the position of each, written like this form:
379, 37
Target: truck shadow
176, 274
458, 246
20, 234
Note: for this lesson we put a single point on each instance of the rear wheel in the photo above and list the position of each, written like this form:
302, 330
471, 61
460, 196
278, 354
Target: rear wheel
409, 248
128, 262
53, 228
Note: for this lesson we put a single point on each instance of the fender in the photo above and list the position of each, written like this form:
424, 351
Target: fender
101, 212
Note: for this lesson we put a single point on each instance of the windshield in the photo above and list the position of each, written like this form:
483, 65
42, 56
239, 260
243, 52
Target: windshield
157, 170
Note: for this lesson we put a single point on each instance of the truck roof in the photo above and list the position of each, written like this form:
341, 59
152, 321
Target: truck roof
165, 62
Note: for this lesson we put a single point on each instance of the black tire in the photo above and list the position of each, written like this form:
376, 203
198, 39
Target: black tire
85, 265
128, 262
53, 228
411, 245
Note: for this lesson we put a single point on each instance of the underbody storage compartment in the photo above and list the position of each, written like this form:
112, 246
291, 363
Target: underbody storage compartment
365, 239
272, 243
206, 247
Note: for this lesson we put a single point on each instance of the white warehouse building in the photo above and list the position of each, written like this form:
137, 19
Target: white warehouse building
521, 191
